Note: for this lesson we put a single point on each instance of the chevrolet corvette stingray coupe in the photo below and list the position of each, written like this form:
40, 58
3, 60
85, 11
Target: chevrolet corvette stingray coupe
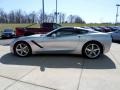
75, 40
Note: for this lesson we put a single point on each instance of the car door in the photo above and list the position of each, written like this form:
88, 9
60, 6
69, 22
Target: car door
63, 39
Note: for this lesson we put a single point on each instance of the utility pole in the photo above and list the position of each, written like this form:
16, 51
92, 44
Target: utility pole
116, 21
56, 11
43, 16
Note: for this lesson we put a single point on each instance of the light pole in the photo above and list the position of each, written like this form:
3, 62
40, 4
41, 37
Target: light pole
116, 21
43, 16
56, 11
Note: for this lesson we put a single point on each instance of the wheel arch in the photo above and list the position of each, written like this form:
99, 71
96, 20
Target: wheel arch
22, 42
93, 41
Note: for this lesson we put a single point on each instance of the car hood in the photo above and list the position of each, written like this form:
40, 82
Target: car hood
31, 37
110, 32
35, 35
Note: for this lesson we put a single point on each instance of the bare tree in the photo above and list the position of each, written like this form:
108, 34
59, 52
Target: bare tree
18, 16
32, 17
21, 17
75, 19
61, 18
71, 19
79, 20
40, 16
3, 16
11, 17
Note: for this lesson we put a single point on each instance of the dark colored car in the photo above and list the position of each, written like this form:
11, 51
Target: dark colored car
112, 28
7, 33
97, 29
105, 29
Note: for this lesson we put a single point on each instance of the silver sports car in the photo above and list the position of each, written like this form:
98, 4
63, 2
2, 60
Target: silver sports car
75, 40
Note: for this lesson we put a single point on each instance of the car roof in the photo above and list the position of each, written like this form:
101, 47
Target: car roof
88, 29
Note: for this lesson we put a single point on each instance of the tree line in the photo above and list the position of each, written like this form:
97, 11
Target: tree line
20, 16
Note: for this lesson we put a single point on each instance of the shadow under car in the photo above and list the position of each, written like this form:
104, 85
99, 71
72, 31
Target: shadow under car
59, 61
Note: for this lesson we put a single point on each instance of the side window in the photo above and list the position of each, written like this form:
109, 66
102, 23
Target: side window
81, 31
65, 32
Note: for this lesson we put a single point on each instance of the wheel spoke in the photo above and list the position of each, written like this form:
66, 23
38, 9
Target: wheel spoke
20, 46
25, 47
94, 53
20, 52
96, 49
88, 49
90, 54
25, 51
18, 49
92, 46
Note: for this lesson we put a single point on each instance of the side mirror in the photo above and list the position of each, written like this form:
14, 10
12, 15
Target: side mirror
54, 35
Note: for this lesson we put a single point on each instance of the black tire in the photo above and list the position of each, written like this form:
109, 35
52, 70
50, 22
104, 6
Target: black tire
25, 44
97, 45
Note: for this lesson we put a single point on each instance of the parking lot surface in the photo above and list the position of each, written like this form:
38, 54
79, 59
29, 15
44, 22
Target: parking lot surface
59, 72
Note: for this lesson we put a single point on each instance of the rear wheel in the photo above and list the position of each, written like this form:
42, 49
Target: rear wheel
92, 50
22, 49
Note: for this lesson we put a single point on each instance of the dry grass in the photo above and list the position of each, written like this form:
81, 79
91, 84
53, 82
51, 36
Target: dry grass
13, 26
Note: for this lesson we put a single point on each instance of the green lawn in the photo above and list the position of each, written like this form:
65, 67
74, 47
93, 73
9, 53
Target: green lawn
13, 26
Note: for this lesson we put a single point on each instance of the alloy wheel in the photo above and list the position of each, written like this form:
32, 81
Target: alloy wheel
92, 50
22, 49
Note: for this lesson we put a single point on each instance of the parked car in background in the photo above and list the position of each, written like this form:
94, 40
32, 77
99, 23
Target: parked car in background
117, 27
105, 29
7, 33
44, 28
63, 40
112, 28
97, 29
86, 27
115, 35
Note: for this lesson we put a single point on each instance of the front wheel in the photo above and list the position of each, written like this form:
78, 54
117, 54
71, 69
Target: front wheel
22, 49
92, 50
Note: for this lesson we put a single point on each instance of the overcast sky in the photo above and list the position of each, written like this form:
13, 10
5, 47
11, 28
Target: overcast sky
90, 10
